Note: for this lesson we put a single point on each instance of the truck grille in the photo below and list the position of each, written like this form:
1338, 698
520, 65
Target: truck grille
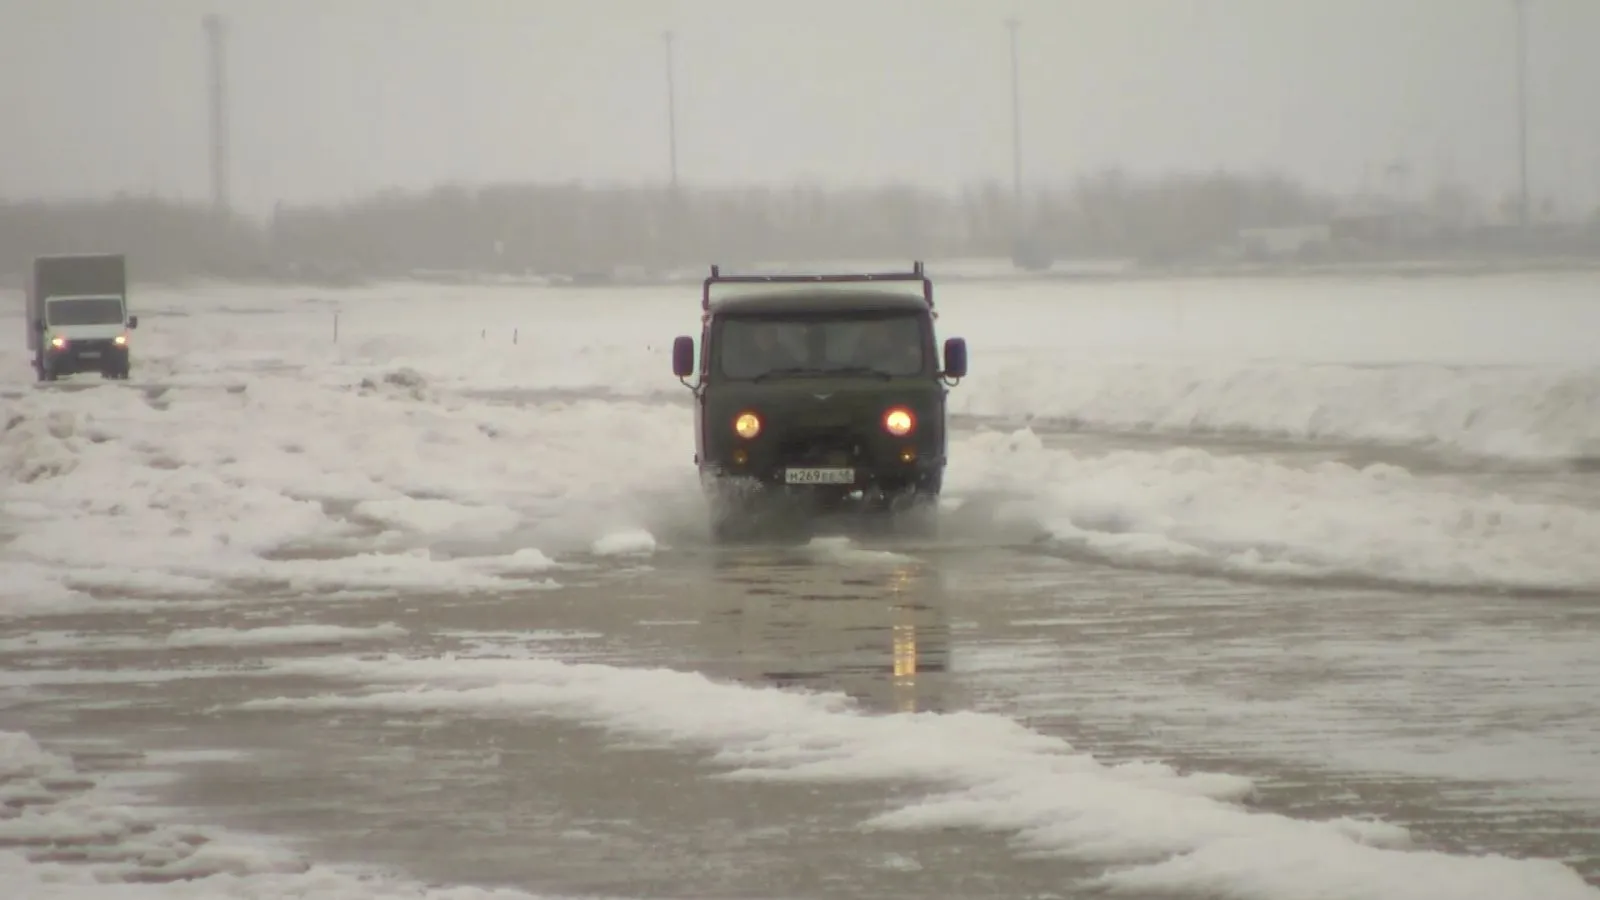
98, 347
819, 446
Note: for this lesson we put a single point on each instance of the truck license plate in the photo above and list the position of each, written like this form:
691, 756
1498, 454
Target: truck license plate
90, 354
820, 476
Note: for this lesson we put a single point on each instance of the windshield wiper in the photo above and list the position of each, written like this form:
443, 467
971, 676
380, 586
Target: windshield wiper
790, 370
828, 371
862, 370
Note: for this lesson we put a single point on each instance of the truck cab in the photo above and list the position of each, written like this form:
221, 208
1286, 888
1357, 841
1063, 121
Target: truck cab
77, 316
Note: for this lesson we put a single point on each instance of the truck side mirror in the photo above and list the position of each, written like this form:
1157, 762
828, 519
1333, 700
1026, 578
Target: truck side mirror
133, 321
955, 358
38, 325
683, 356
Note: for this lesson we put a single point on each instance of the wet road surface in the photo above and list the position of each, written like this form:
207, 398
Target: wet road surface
1411, 706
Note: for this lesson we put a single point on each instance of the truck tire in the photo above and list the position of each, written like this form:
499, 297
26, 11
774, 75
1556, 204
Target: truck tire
734, 522
920, 520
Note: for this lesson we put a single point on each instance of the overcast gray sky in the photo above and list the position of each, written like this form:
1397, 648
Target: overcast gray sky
332, 98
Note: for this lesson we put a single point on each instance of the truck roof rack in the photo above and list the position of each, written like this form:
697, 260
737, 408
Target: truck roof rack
917, 273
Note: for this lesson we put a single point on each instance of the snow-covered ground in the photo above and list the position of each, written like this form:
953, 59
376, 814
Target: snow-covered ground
406, 442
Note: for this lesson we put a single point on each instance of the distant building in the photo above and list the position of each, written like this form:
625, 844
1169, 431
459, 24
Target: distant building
1283, 242
1379, 228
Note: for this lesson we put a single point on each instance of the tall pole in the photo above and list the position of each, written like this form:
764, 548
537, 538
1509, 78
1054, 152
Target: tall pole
1522, 110
219, 112
672, 112
1016, 119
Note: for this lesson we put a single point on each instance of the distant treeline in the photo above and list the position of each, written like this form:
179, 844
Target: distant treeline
577, 230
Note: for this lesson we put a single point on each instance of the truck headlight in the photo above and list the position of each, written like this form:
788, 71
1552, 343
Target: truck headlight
58, 342
747, 425
899, 421
120, 340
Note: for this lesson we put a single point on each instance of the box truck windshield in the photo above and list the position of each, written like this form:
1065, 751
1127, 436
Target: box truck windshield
68, 311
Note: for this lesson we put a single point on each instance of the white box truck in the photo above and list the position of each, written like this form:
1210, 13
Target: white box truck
77, 317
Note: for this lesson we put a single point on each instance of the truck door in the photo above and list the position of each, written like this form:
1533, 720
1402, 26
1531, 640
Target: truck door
699, 394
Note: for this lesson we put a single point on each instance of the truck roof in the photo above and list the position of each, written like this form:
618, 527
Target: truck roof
57, 256
785, 294
817, 299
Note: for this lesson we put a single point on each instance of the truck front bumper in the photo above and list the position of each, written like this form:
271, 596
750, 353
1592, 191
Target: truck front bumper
74, 357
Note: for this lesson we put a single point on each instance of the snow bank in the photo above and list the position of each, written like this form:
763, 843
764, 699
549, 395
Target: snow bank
1190, 510
1150, 827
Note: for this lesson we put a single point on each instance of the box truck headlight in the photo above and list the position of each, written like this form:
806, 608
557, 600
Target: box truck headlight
58, 342
120, 340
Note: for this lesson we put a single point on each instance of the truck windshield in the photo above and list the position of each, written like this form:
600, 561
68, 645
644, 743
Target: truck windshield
84, 311
753, 347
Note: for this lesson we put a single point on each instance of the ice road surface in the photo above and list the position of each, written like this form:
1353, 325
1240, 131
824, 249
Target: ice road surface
1261, 589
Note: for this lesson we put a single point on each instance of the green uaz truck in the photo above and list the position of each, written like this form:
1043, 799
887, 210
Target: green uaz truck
819, 394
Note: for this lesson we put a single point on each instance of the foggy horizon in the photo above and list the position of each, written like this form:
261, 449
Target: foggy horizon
328, 104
